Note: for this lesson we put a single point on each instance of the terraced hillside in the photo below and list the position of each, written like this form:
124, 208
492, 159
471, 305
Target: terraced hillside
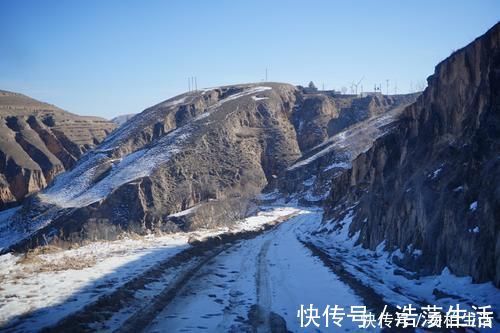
39, 141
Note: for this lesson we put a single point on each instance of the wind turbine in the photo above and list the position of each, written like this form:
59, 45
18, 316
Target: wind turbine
357, 84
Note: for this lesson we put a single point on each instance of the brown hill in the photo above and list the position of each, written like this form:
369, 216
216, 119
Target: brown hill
39, 141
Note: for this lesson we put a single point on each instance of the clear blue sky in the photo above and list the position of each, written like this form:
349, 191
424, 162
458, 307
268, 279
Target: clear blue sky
114, 57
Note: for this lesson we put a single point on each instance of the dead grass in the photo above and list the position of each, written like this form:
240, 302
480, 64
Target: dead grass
66, 263
32, 256
34, 262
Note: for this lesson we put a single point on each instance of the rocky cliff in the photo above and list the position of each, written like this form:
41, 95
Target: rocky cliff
430, 186
203, 151
39, 141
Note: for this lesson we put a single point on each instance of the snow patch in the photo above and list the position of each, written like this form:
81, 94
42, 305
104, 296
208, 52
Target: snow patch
474, 230
245, 92
337, 165
436, 173
185, 212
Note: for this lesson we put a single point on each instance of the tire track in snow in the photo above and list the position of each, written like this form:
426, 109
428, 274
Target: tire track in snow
262, 286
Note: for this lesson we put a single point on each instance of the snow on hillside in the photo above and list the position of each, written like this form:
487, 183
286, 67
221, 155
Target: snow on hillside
148, 116
77, 188
351, 142
245, 92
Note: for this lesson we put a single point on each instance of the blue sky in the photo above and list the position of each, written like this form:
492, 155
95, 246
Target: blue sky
114, 57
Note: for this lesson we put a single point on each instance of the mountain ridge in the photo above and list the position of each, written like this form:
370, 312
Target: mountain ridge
214, 147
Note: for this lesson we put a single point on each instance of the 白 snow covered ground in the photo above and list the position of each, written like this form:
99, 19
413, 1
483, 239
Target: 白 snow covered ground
40, 289
273, 272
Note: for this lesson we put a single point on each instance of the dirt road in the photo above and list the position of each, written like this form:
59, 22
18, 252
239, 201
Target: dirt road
256, 285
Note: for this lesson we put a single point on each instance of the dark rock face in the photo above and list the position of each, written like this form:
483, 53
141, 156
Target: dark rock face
433, 182
39, 141
219, 145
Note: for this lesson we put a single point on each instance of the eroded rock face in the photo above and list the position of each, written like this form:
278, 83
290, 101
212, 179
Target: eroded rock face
216, 146
433, 182
39, 141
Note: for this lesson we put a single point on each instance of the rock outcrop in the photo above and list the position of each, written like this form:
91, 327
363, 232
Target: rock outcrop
204, 151
39, 141
432, 183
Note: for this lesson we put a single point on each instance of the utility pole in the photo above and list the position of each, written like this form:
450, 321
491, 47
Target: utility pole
189, 84
387, 86
195, 84
266, 74
323, 86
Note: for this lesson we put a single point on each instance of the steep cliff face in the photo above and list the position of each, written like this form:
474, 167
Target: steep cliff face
212, 148
431, 184
39, 141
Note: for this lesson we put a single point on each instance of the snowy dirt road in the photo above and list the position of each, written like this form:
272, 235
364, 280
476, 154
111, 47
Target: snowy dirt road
256, 285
